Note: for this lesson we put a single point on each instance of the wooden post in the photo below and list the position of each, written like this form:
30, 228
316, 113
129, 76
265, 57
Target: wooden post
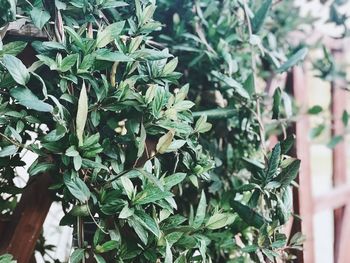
339, 152
302, 196
20, 235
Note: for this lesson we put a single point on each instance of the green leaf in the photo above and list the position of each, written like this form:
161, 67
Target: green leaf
13, 48
274, 161
238, 88
126, 212
200, 215
345, 118
77, 188
248, 215
276, 104
315, 110
220, 113
77, 255
26, 98
99, 259
142, 141
108, 34
113, 4
170, 66
202, 125
334, 141
112, 56
39, 17
260, 16
128, 186
219, 220
175, 145
8, 150
82, 114
75, 37
16, 68
7, 258
287, 144
68, 62
52, 64
151, 177
40, 168
168, 254
288, 173
293, 60
107, 246
77, 162
71, 151
173, 180
317, 131
148, 222
140, 231
164, 142
150, 194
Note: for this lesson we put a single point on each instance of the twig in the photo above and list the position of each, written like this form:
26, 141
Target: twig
19, 145
253, 62
97, 224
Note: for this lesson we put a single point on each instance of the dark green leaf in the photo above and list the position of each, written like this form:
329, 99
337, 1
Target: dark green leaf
276, 104
28, 99
147, 221
238, 88
39, 17
293, 60
200, 215
107, 246
315, 110
77, 255
289, 173
274, 161
260, 16
249, 216
77, 188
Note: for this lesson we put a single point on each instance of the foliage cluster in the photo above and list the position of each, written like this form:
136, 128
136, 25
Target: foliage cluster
166, 171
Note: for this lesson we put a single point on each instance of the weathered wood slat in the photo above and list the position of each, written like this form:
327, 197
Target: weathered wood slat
303, 201
20, 235
339, 96
333, 199
344, 239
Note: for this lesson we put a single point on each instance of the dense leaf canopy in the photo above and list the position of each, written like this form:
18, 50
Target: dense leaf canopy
152, 122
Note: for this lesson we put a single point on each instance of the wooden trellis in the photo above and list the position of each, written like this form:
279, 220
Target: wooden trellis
337, 199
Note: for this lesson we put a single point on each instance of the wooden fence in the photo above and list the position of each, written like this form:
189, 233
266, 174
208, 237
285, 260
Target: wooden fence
337, 199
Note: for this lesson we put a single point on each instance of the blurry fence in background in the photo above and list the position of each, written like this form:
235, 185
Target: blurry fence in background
336, 199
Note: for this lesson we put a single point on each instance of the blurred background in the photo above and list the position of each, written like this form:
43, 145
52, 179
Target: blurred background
316, 136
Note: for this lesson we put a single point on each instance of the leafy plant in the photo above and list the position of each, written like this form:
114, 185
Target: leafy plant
107, 111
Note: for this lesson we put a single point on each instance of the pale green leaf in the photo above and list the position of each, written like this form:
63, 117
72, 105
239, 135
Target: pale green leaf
28, 99
17, 69
108, 34
82, 114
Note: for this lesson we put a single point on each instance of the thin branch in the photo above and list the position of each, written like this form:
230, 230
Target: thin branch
253, 62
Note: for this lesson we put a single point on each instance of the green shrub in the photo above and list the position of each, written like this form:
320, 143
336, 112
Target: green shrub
109, 118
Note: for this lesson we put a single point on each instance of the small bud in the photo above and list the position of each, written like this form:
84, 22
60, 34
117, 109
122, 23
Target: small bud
176, 19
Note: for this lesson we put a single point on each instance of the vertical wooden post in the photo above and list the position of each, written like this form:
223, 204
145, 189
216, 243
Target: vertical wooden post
339, 152
20, 236
303, 200
343, 253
